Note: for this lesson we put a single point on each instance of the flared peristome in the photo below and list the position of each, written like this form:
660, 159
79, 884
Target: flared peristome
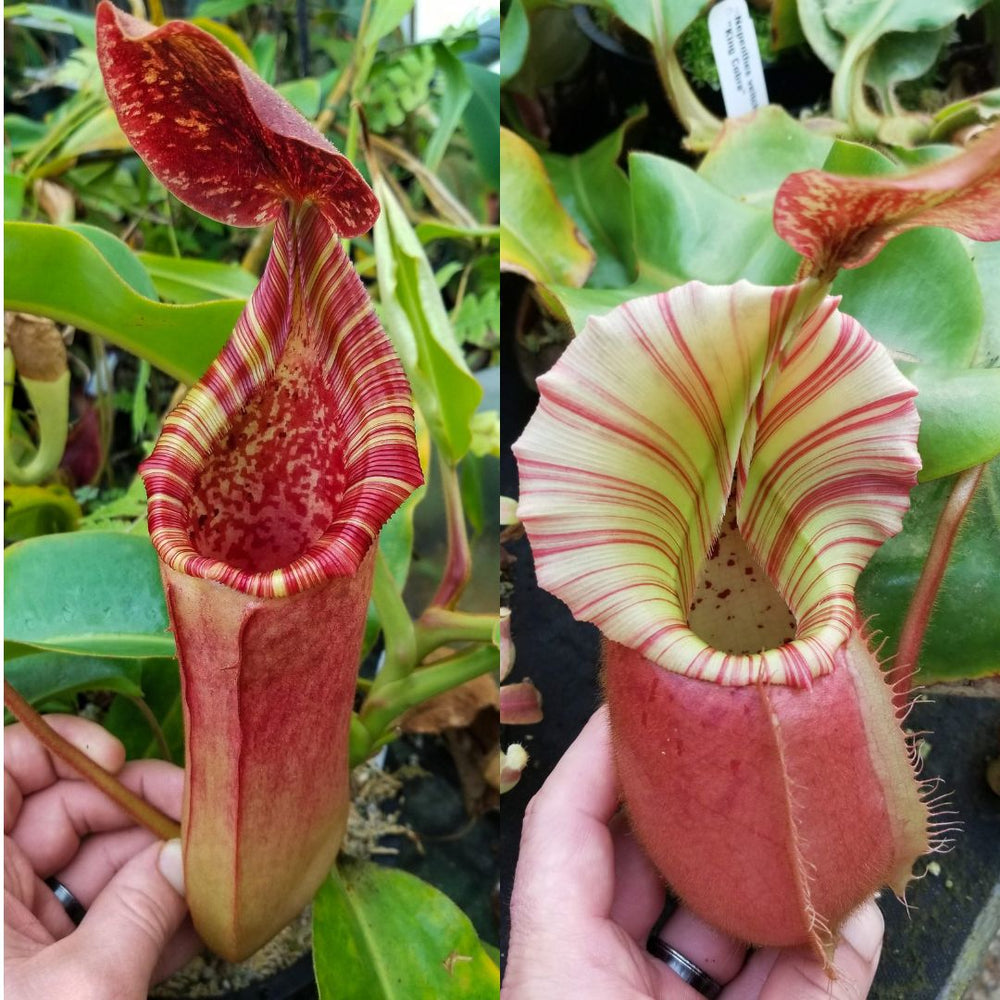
674, 407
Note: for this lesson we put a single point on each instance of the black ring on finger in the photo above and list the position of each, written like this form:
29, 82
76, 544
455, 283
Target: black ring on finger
696, 977
75, 910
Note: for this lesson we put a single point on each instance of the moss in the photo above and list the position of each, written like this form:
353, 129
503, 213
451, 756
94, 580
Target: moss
694, 48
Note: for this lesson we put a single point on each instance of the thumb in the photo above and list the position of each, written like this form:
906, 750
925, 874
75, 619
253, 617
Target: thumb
137, 913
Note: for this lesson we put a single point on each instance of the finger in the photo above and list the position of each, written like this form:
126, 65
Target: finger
796, 972
566, 862
639, 891
716, 954
100, 858
137, 914
53, 820
29, 767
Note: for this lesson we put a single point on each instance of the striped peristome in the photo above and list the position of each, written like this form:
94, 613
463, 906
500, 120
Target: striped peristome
661, 412
844, 221
282, 463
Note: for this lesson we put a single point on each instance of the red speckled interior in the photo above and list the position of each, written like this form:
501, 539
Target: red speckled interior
274, 485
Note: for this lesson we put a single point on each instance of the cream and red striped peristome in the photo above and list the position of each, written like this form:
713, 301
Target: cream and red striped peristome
671, 406
282, 463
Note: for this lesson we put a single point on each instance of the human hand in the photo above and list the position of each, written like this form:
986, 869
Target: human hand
585, 898
130, 883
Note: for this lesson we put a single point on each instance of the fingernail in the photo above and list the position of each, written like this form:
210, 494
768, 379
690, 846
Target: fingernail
863, 930
171, 864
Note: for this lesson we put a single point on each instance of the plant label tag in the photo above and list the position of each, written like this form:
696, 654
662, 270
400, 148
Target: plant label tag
737, 56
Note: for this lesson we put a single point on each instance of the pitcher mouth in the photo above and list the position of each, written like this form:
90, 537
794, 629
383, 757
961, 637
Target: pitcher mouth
688, 441
283, 462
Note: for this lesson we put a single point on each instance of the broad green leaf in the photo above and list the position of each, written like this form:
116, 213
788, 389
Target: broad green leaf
986, 261
90, 593
679, 217
304, 94
537, 235
416, 320
361, 915
962, 638
41, 677
481, 118
595, 191
119, 255
90, 294
898, 298
755, 153
456, 93
161, 691
187, 280
959, 417
513, 40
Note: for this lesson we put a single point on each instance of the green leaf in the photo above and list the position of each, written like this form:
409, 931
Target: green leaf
90, 593
41, 677
537, 235
395, 542
961, 638
679, 217
436, 229
265, 52
457, 92
755, 153
161, 691
986, 261
99, 133
179, 340
897, 298
119, 255
663, 20
481, 119
386, 17
221, 8
13, 196
514, 38
187, 279
416, 320
595, 191
44, 18
304, 94
959, 417
361, 914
